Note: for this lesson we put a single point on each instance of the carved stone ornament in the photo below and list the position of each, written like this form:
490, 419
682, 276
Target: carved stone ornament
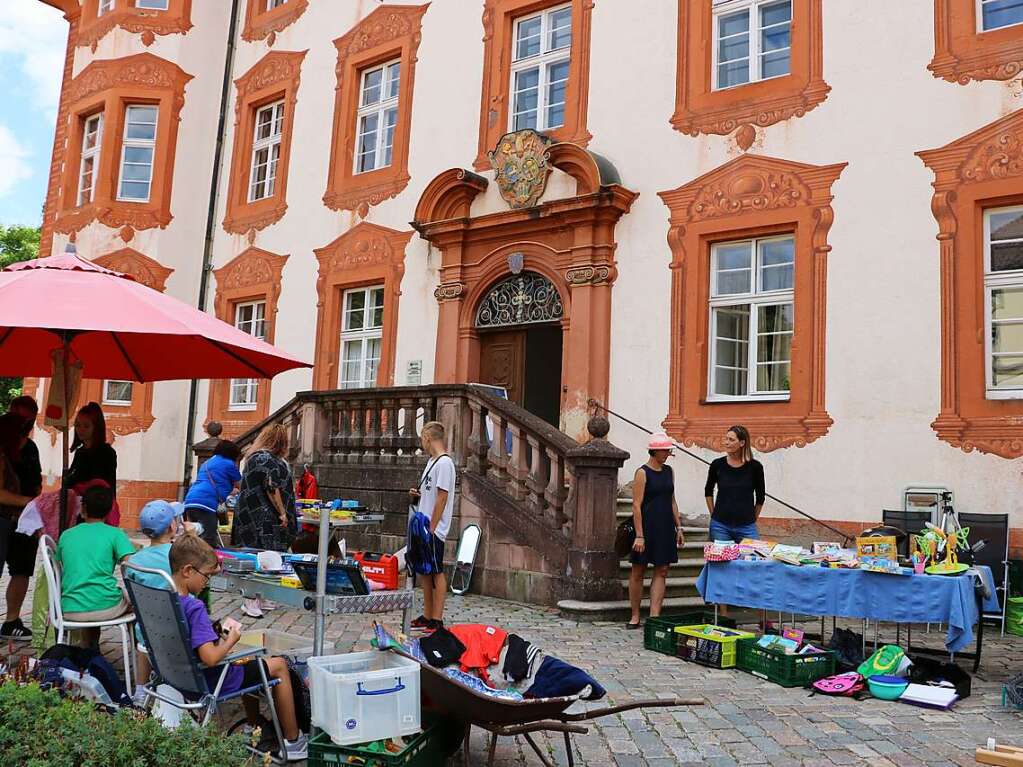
516, 261
759, 189
588, 275
266, 24
523, 299
145, 270
449, 291
521, 167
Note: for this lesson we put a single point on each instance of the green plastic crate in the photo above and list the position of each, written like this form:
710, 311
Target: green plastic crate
1014, 616
716, 652
425, 749
782, 668
659, 633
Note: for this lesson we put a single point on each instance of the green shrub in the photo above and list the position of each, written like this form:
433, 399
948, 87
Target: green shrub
40, 729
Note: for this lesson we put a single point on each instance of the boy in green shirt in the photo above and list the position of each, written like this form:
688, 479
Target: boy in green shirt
88, 554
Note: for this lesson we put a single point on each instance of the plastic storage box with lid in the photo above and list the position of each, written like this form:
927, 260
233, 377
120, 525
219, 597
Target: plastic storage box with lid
364, 696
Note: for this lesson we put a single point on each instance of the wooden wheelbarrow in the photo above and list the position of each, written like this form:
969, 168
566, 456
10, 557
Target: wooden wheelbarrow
504, 718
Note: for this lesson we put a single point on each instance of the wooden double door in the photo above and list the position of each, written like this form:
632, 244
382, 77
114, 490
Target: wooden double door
526, 361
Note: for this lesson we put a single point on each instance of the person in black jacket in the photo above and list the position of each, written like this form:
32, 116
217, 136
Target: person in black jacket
739, 479
94, 457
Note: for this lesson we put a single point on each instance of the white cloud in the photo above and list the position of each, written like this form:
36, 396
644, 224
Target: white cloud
35, 35
14, 161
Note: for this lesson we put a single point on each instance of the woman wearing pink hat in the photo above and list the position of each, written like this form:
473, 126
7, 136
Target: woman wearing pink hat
658, 527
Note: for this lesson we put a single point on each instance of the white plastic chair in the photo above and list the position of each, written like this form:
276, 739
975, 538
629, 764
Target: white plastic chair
57, 620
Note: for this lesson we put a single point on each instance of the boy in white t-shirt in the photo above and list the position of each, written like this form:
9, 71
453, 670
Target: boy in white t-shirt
436, 494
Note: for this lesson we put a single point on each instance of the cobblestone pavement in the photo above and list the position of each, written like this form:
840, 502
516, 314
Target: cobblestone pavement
745, 720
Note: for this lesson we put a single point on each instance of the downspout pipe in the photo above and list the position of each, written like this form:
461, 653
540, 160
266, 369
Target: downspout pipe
211, 223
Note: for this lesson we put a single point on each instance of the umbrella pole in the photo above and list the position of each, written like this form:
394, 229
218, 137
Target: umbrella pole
64, 448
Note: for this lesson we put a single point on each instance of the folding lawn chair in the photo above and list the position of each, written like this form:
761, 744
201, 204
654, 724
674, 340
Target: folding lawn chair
165, 631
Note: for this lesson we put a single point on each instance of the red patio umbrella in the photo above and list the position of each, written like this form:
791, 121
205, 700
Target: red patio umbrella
117, 329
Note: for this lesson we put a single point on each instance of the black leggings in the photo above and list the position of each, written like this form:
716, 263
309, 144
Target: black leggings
208, 520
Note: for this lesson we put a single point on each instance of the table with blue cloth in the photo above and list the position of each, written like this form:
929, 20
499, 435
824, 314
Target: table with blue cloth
808, 590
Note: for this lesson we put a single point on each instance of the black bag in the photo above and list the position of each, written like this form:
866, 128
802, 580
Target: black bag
848, 647
300, 694
88, 661
927, 670
625, 538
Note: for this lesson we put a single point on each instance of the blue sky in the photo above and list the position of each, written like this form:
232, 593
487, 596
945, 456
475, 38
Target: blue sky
32, 43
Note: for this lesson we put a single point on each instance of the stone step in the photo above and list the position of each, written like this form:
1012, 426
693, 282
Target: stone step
619, 609
691, 564
683, 583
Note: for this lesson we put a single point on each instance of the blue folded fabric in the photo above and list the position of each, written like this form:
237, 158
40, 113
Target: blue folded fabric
556, 678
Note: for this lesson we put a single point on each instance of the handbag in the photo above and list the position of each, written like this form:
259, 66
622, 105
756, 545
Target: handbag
625, 537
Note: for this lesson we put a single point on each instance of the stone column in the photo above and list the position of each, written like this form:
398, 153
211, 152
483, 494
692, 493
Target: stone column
592, 571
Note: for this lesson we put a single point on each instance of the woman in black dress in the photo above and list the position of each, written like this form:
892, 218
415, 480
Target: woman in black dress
739, 479
658, 527
265, 515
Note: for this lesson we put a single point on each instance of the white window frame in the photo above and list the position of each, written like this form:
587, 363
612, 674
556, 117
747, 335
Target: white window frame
272, 4
129, 143
164, 5
248, 385
544, 61
364, 335
104, 7
755, 299
90, 154
380, 109
980, 19
995, 281
268, 186
108, 400
729, 7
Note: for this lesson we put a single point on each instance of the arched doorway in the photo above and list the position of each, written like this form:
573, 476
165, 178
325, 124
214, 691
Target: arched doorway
519, 325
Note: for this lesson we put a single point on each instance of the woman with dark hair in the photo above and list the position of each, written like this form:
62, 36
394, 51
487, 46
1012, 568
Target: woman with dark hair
94, 458
739, 479
265, 515
217, 479
17, 552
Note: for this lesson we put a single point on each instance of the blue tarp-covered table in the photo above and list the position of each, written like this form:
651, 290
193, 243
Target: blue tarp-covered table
824, 591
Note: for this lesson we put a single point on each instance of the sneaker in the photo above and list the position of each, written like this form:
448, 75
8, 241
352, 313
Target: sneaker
296, 750
421, 622
15, 630
251, 607
267, 605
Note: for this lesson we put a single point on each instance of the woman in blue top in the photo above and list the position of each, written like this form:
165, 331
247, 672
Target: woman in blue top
218, 478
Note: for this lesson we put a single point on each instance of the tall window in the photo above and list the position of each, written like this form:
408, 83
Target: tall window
117, 393
751, 318
152, 5
137, 153
105, 6
1003, 288
541, 48
92, 137
995, 14
752, 40
377, 116
249, 318
266, 150
361, 337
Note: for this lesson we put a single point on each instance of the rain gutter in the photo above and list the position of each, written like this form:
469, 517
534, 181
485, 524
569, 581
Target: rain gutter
211, 222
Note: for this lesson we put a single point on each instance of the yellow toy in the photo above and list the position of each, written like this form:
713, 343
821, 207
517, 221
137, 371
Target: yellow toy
931, 542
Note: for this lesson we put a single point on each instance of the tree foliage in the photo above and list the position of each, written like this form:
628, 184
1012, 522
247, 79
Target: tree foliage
17, 243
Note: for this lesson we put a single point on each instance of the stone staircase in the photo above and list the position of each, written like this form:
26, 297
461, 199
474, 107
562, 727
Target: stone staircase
680, 594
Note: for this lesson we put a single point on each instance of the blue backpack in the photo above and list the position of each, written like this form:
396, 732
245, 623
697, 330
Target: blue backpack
83, 661
419, 556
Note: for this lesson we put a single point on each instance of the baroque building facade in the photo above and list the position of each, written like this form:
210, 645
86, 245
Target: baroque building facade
804, 216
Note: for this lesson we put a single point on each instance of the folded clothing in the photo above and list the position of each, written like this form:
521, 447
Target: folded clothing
483, 645
441, 648
518, 658
473, 683
555, 678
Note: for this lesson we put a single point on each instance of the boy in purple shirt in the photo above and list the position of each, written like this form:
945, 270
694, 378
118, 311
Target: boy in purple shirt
193, 562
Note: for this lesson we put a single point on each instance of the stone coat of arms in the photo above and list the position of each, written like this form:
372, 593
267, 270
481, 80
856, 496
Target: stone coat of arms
520, 163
